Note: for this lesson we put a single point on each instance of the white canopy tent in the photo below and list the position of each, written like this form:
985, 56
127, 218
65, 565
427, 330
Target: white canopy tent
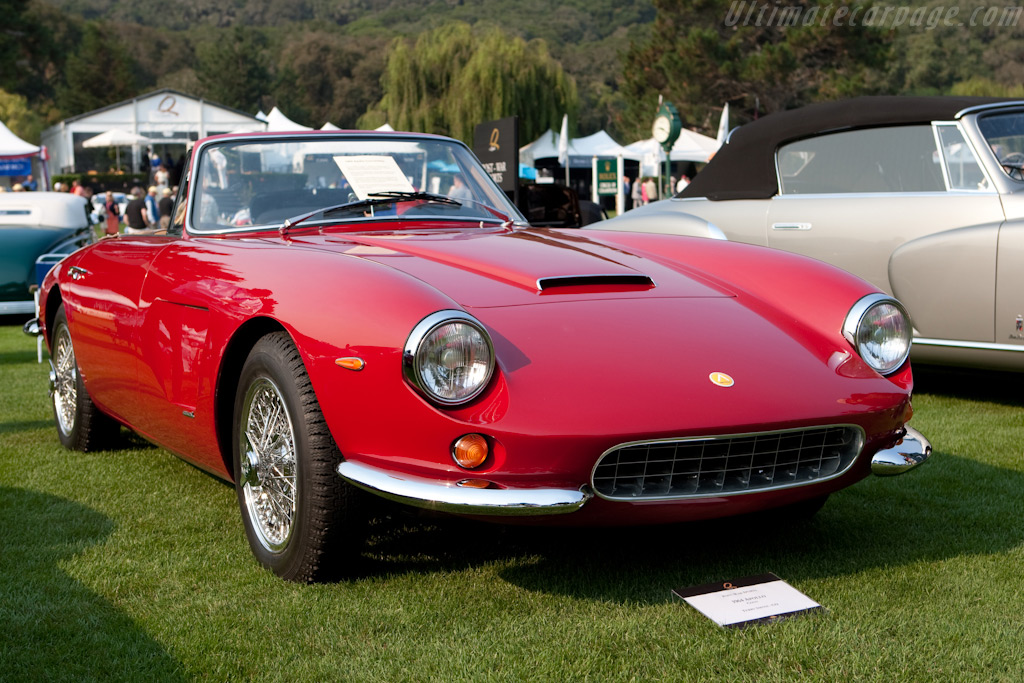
690, 146
15, 153
581, 150
277, 122
582, 153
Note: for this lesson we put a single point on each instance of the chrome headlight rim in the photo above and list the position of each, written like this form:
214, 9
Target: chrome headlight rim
856, 316
422, 331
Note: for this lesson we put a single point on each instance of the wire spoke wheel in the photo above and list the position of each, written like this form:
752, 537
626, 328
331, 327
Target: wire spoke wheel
81, 426
65, 381
301, 519
268, 464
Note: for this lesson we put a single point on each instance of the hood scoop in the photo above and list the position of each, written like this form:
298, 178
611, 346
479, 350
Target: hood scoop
611, 281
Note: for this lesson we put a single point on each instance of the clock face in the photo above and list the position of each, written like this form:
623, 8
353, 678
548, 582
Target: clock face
662, 128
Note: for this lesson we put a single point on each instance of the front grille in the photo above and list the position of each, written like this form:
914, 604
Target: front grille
720, 465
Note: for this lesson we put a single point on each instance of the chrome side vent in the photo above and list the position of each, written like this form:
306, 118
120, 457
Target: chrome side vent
614, 280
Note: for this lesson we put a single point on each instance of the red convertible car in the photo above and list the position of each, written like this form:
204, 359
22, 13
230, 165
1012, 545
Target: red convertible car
334, 313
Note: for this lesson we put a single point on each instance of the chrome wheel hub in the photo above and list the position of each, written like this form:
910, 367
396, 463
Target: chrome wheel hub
267, 463
64, 381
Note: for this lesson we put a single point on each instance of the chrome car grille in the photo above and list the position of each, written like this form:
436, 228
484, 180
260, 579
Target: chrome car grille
721, 465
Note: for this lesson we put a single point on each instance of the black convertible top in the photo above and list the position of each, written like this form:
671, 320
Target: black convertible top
744, 168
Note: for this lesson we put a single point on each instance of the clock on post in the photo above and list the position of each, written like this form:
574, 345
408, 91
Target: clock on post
667, 125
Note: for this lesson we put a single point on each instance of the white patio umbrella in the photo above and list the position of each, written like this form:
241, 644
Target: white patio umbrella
117, 139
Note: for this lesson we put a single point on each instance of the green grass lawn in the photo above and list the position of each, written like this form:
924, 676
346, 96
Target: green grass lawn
132, 565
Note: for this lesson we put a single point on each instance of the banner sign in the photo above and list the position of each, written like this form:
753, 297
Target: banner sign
496, 145
607, 176
21, 166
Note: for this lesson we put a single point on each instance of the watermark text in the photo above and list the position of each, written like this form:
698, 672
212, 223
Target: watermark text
769, 14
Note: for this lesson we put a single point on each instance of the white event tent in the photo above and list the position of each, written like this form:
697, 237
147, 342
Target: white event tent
581, 150
690, 146
277, 122
15, 152
583, 153
170, 118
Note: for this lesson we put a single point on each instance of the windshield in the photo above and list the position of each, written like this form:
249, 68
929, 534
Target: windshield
1004, 133
261, 182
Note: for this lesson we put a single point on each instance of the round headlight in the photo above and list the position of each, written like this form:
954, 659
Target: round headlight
879, 329
448, 357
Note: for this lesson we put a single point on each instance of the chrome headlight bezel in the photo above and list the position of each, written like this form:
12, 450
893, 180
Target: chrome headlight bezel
414, 356
863, 312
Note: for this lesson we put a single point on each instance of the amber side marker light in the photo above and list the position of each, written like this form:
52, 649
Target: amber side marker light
470, 451
351, 363
476, 484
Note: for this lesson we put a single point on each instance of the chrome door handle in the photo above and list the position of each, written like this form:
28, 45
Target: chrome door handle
791, 226
77, 273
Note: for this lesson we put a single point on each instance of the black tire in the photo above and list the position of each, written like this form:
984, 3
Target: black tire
304, 523
81, 426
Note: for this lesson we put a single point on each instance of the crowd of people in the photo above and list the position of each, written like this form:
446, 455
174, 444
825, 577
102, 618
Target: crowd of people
146, 212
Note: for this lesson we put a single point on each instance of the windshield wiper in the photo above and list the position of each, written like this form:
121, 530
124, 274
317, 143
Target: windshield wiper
379, 197
374, 199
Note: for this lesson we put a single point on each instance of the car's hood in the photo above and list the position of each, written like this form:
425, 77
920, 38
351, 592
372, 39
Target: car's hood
483, 268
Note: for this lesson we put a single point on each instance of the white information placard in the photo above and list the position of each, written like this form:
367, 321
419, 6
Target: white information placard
368, 174
750, 600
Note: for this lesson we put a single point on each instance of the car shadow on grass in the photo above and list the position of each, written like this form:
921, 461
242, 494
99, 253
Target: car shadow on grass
952, 506
925, 515
992, 386
54, 627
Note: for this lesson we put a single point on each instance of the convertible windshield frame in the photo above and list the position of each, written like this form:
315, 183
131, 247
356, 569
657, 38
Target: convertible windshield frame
257, 182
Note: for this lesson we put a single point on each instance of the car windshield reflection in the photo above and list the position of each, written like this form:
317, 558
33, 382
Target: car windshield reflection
253, 183
1004, 133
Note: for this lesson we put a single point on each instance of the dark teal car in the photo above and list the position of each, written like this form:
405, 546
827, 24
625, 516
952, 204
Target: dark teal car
35, 224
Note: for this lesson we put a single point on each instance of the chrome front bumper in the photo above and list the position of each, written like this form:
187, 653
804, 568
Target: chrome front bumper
912, 450
449, 497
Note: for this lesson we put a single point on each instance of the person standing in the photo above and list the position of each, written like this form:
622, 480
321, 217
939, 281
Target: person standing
152, 212
113, 214
636, 194
650, 190
165, 206
135, 214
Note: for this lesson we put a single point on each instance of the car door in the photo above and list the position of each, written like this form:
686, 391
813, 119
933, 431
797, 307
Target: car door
102, 298
907, 208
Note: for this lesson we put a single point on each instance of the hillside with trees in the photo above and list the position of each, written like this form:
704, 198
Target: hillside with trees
442, 64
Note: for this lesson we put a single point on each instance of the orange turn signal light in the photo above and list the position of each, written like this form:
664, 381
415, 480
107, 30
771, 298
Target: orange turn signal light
476, 484
351, 363
470, 451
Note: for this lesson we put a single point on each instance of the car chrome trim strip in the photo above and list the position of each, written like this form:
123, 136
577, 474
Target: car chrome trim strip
724, 439
544, 283
17, 307
449, 497
909, 452
986, 107
981, 346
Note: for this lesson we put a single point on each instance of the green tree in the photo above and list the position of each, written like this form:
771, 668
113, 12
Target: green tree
232, 69
934, 49
99, 73
325, 76
16, 114
453, 78
703, 53
32, 48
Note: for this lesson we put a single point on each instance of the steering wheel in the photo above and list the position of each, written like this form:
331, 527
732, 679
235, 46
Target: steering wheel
1013, 164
